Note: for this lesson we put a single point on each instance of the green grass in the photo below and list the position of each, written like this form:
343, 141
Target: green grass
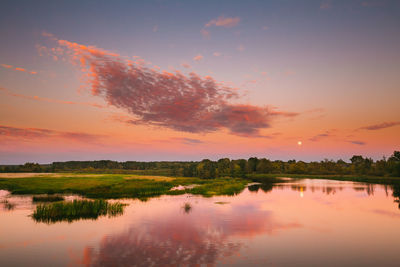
76, 210
120, 186
47, 198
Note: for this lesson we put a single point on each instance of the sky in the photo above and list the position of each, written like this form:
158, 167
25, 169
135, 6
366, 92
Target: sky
188, 80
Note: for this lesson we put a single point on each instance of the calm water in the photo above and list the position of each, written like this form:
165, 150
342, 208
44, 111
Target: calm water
299, 223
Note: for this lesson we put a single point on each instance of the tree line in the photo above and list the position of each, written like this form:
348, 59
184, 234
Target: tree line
224, 167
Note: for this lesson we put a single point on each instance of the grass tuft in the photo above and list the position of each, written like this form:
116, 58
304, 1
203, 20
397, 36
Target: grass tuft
187, 207
47, 198
8, 205
76, 210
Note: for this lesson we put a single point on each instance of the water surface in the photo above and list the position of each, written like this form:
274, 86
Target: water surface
296, 223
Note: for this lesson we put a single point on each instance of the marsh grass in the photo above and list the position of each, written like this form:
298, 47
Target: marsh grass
47, 198
76, 210
117, 186
224, 186
187, 207
221, 202
8, 205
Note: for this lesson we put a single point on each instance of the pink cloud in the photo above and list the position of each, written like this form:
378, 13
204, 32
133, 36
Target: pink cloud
222, 21
35, 133
241, 48
380, 126
185, 65
188, 103
325, 4
216, 54
205, 33
198, 57
49, 100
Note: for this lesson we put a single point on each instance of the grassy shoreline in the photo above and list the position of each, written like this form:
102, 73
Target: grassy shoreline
121, 186
114, 186
351, 178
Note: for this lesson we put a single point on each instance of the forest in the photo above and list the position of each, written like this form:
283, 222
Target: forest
225, 167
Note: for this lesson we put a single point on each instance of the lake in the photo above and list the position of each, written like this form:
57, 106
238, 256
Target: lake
304, 222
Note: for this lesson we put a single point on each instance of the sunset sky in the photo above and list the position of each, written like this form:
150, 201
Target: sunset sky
188, 80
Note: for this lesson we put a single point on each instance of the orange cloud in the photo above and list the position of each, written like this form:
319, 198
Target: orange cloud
35, 133
198, 58
49, 100
6, 66
227, 22
185, 65
17, 68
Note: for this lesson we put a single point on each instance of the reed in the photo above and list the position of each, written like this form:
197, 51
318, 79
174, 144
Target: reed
76, 210
47, 198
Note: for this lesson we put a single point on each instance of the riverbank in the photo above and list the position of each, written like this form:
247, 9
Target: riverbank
262, 178
108, 186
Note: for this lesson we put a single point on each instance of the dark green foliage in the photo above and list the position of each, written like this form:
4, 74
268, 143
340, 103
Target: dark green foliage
76, 210
208, 169
47, 198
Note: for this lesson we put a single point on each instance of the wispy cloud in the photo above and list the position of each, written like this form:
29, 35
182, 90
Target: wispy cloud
198, 58
185, 65
326, 4
18, 69
373, 3
318, 137
187, 141
241, 48
356, 142
205, 33
222, 21
49, 100
322, 136
189, 103
380, 126
36, 133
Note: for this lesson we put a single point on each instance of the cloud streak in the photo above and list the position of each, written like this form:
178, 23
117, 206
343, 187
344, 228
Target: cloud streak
355, 142
380, 126
222, 21
198, 58
188, 103
18, 69
39, 133
49, 100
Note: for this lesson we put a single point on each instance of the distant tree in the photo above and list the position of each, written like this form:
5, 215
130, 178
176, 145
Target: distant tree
206, 169
252, 165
